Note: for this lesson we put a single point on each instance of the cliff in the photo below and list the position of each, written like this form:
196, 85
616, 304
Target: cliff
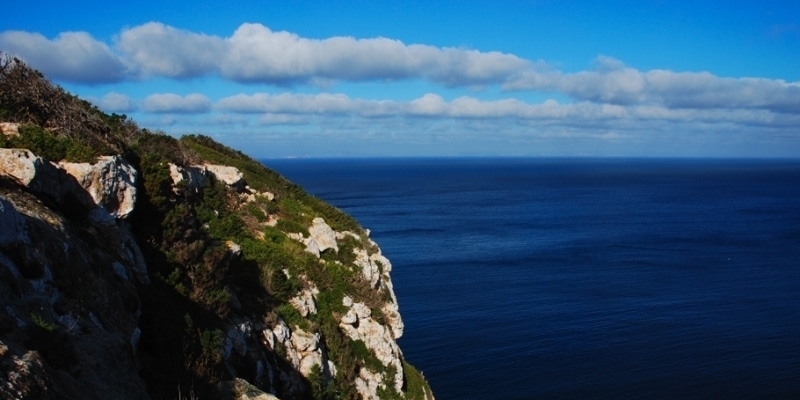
135, 265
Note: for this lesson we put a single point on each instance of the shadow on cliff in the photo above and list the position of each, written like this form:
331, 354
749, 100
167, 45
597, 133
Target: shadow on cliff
201, 292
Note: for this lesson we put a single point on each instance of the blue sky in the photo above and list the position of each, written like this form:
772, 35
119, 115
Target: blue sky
425, 78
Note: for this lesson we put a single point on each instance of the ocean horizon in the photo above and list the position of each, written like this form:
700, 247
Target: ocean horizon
610, 278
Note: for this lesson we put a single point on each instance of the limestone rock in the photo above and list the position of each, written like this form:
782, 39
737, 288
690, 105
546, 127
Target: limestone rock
195, 177
305, 302
9, 128
231, 176
358, 324
20, 165
367, 384
303, 350
111, 182
240, 389
46, 179
321, 237
323, 234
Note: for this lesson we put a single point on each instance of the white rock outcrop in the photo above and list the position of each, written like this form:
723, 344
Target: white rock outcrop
305, 302
48, 180
303, 350
358, 324
20, 165
321, 233
321, 237
231, 176
111, 182
194, 177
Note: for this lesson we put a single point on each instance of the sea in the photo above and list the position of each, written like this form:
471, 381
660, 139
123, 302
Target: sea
578, 278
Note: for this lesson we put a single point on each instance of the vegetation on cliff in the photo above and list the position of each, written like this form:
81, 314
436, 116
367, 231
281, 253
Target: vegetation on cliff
223, 260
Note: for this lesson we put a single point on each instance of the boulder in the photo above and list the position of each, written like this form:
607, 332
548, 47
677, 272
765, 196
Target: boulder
322, 235
9, 128
111, 182
231, 176
45, 179
20, 165
194, 176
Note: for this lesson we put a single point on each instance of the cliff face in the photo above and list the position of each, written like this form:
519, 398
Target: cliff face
163, 268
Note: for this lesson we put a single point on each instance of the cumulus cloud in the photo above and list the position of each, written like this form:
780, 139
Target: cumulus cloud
155, 49
71, 56
290, 103
258, 54
292, 108
614, 83
173, 103
116, 102
253, 53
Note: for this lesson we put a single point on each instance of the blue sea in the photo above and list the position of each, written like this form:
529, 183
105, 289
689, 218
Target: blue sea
585, 278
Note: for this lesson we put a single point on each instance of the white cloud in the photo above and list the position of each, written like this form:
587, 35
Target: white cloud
258, 54
275, 109
254, 53
116, 102
612, 82
71, 56
156, 49
173, 103
282, 119
290, 103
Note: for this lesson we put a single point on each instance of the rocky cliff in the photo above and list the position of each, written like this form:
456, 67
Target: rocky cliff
135, 265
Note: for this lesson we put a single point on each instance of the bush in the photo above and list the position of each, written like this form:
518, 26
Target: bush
417, 387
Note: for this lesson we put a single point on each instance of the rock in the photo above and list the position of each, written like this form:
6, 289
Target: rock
304, 302
235, 340
195, 176
14, 230
9, 128
105, 189
377, 338
251, 196
25, 377
367, 384
47, 180
111, 182
240, 389
323, 234
304, 341
20, 165
231, 176
321, 237
350, 318
233, 248
119, 270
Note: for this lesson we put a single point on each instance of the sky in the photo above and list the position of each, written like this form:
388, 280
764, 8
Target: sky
281, 79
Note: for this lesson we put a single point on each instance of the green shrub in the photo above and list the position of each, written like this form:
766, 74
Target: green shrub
45, 144
256, 212
211, 345
41, 142
226, 227
416, 387
292, 317
290, 226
